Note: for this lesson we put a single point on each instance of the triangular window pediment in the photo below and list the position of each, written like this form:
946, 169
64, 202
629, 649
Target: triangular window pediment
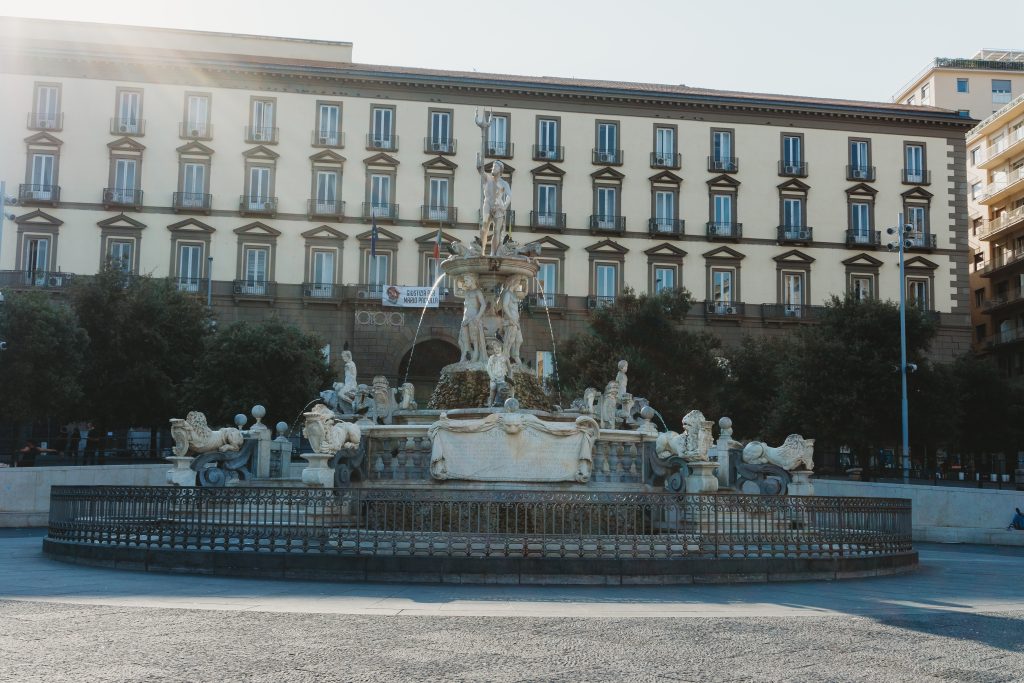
44, 140
431, 237
794, 185
195, 149
121, 221
382, 235
607, 173
324, 232
793, 256
723, 181
260, 152
257, 229
440, 164
191, 225
921, 263
126, 145
381, 159
665, 249
548, 169
551, 243
327, 156
506, 170
863, 260
861, 189
723, 252
666, 178
607, 247
918, 193
37, 218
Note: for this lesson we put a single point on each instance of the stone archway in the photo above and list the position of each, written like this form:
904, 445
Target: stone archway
428, 358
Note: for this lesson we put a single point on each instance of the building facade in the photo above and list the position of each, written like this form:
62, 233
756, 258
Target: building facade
975, 87
250, 169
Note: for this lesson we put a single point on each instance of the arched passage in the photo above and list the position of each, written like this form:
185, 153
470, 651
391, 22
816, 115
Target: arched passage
428, 357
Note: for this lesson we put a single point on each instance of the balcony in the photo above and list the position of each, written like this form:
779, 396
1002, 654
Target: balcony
127, 126
547, 220
195, 130
1007, 259
119, 197
382, 143
1002, 150
45, 120
793, 169
1010, 336
916, 176
723, 164
439, 145
261, 135
257, 205
717, 230
548, 300
500, 150
192, 201
665, 227
1006, 301
790, 312
327, 138
191, 285
919, 241
39, 194
601, 223
325, 208
600, 301
997, 191
324, 292
723, 309
863, 238
254, 289
672, 160
1004, 222
860, 173
388, 212
607, 157
794, 234
35, 279
439, 215
548, 153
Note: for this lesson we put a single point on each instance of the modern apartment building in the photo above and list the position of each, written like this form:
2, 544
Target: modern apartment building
975, 87
250, 168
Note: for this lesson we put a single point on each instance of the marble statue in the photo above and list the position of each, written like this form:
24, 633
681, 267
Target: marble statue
408, 397
497, 198
796, 452
383, 399
364, 406
609, 405
627, 408
498, 370
457, 248
590, 398
692, 445
328, 435
192, 436
472, 342
621, 379
508, 306
341, 395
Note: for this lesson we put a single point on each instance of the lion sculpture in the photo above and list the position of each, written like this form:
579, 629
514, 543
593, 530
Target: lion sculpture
327, 434
193, 436
692, 445
796, 452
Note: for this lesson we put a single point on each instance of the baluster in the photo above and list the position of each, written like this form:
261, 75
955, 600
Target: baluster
390, 445
633, 453
410, 458
605, 469
613, 461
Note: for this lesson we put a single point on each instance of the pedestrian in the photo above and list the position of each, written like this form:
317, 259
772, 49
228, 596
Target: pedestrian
29, 452
1018, 521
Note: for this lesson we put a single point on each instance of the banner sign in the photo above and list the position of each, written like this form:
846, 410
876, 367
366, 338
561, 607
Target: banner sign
409, 297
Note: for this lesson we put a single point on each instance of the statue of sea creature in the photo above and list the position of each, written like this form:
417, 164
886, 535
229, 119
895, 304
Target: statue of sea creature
327, 434
193, 436
796, 452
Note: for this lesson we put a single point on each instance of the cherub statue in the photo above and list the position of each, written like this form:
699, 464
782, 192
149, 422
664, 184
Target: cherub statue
621, 379
508, 306
498, 370
472, 343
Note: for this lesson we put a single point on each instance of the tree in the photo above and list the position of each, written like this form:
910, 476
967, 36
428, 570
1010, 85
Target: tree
40, 370
675, 370
146, 339
755, 375
271, 363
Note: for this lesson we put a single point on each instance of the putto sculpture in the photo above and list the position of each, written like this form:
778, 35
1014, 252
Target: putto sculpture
796, 452
508, 305
472, 342
328, 435
498, 370
193, 436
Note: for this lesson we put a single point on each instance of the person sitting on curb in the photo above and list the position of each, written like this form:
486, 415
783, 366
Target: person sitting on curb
1018, 521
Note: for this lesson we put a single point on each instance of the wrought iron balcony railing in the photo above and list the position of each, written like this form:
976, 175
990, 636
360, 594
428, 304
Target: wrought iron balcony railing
718, 164
254, 288
609, 157
45, 120
334, 208
919, 241
795, 234
192, 201
666, 160
724, 309
862, 238
257, 205
548, 153
382, 142
323, 137
790, 312
35, 279
321, 291
379, 210
195, 130
604, 223
190, 284
724, 230
39, 194
916, 176
443, 215
668, 227
793, 169
439, 145
266, 135
600, 301
120, 196
500, 150
862, 173
547, 220
127, 126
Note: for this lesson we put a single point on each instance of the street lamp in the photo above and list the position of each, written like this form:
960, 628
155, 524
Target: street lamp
901, 243
209, 282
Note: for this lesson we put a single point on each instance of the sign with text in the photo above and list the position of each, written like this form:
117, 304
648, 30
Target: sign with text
409, 297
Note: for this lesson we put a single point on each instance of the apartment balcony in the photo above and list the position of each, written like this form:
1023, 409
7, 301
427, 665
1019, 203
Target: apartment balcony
500, 150
548, 153
35, 279
792, 169
386, 212
547, 300
666, 160
119, 197
607, 157
257, 205
127, 126
723, 164
45, 120
46, 195
1003, 224
724, 309
998, 191
510, 217
198, 202
1004, 337
439, 145
382, 143
550, 221
191, 285
863, 239
717, 230
916, 176
794, 234
1003, 303
1009, 146
665, 227
919, 241
791, 312
600, 301
261, 290
325, 208
1006, 261
606, 224
261, 135
439, 215
327, 138
865, 174
195, 130
322, 292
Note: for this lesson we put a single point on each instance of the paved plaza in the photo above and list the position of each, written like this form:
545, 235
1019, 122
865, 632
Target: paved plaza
960, 617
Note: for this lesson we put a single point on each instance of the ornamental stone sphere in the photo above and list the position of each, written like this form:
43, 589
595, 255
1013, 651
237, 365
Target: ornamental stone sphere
511, 405
240, 420
259, 412
647, 413
282, 428
725, 423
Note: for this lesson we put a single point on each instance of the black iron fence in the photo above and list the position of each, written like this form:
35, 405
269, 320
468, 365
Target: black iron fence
468, 523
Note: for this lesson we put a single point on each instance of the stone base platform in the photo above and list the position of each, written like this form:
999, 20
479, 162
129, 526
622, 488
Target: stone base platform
466, 385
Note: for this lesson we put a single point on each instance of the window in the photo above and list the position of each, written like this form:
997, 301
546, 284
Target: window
963, 113
722, 212
547, 282
36, 259
190, 266
119, 255
328, 124
917, 292
664, 278
792, 154
792, 213
128, 119
547, 139
193, 186
975, 155
547, 204
926, 94
380, 194
259, 188
261, 127
197, 116
722, 289
382, 127
860, 222
440, 140
979, 261
255, 275
979, 297
792, 293
322, 275
722, 155
914, 158
125, 172
963, 85
1000, 91
860, 160
862, 286
437, 207
665, 147
41, 178
975, 190
664, 210
607, 142
378, 268
607, 207
327, 193
917, 219
911, 100
497, 136
606, 282
47, 108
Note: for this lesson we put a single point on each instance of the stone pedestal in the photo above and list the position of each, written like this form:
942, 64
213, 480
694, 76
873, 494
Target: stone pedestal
182, 473
723, 457
261, 433
701, 478
318, 474
800, 483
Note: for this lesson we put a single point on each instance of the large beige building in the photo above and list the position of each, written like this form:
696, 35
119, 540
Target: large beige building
975, 87
250, 167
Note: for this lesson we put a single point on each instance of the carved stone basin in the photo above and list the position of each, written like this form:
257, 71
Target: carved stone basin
491, 271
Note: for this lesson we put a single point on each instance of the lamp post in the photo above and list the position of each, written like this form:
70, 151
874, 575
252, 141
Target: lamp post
900, 244
209, 282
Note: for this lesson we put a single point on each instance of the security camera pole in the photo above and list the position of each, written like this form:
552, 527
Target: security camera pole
900, 231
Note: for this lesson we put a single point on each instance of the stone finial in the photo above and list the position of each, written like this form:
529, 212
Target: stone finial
282, 428
725, 426
258, 412
240, 420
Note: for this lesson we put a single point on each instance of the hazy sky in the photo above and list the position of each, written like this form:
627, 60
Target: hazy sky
861, 50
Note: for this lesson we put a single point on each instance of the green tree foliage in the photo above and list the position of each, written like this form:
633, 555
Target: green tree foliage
40, 372
271, 363
989, 415
146, 338
751, 397
674, 369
